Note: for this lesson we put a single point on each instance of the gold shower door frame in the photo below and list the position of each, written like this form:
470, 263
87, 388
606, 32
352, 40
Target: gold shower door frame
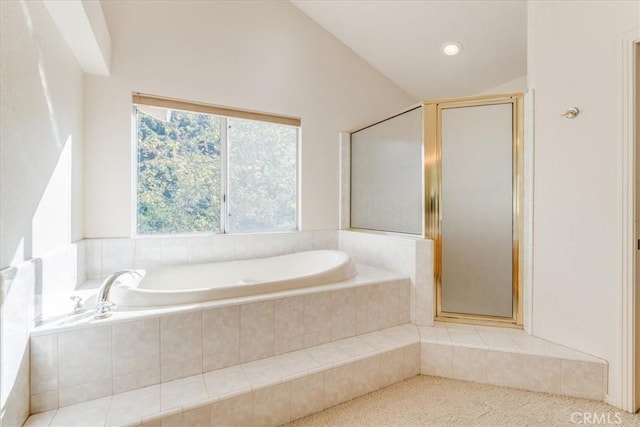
432, 122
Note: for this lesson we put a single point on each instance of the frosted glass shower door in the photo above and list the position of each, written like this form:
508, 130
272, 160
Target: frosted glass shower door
477, 210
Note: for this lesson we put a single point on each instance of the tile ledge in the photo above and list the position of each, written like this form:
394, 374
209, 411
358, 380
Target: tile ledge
394, 344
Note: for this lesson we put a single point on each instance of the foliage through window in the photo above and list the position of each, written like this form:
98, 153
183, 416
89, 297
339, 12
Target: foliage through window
200, 172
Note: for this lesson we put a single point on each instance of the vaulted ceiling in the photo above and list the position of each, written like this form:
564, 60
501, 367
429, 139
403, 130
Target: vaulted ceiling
403, 40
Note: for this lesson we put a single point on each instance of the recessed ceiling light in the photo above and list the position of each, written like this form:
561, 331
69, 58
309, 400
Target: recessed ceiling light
451, 48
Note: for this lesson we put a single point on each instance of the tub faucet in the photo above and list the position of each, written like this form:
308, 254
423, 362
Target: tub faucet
103, 305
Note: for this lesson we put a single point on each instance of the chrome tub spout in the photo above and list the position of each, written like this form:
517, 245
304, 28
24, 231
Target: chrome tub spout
103, 305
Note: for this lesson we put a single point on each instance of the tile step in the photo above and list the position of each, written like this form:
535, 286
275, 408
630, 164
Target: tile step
289, 386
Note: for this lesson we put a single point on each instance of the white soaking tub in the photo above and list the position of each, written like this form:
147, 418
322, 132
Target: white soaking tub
219, 280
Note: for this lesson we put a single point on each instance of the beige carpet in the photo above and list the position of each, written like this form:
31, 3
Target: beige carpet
433, 401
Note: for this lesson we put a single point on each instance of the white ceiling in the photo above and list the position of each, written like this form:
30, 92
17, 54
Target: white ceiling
402, 40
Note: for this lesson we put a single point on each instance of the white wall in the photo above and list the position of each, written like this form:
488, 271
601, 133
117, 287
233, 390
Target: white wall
265, 56
515, 85
40, 180
575, 60
41, 134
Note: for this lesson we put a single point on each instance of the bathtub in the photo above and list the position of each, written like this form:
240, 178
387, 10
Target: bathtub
194, 283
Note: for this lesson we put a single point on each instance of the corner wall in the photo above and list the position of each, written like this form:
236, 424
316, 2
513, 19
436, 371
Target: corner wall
40, 180
575, 60
264, 56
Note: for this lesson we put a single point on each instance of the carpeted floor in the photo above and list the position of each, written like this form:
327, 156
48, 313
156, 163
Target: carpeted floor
433, 401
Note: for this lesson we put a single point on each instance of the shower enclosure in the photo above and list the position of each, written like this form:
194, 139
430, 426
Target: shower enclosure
451, 171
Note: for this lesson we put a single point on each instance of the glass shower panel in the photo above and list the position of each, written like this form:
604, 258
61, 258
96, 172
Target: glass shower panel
477, 210
386, 175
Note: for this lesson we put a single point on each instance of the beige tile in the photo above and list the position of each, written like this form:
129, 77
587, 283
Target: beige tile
183, 392
466, 338
87, 414
316, 338
264, 372
193, 418
496, 340
379, 340
403, 334
137, 346
317, 313
44, 363
424, 302
42, 419
85, 392
44, 401
84, 356
338, 385
288, 344
307, 395
135, 380
225, 381
528, 344
390, 307
411, 360
404, 303
181, 369
583, 379
505, 369
434, 334
367, 309
288, 318
256, 331
297, 362
272, 405
251, 352
354, 346
343, 314
237, 411
327, 354
155, 420
541, 373
366, 376
470, 364
221, 360
221, 330
180, 338
134, 404
391, 367
436, 359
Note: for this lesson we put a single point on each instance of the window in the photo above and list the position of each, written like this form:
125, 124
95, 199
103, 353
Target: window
202, 168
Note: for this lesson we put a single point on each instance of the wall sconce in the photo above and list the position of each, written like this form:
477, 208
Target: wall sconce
571, 113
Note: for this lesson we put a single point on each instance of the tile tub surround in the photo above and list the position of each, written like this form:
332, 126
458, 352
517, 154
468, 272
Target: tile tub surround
106, 256
27, 290
409, 255
77, 358
511, 358
271, 391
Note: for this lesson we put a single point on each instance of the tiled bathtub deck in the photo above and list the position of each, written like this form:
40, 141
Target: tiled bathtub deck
282, 388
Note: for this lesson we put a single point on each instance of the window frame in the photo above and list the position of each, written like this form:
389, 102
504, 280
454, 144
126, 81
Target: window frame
224, 113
